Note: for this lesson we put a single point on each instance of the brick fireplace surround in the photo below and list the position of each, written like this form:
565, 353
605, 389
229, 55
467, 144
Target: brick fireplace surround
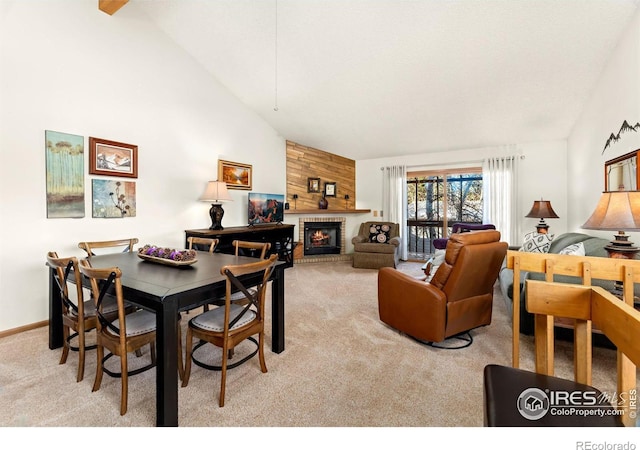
299, 256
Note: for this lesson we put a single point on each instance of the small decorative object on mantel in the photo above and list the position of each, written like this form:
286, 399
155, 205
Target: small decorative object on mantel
330, 189
323, 203
313, 184
295, 201
346, 201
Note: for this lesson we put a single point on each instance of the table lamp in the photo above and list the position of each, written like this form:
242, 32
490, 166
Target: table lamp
617, 211
542, 209
216, 192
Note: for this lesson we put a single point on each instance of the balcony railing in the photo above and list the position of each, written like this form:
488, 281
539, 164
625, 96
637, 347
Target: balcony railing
421, 234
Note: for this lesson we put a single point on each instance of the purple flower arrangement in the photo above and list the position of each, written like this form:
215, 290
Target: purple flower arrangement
167, 253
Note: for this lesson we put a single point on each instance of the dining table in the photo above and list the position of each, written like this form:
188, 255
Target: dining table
167, 290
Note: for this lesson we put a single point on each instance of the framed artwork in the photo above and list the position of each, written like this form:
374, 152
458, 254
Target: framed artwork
112, 158
236, 175
65, 174
330, 189
313, 184
621, 173
113, 199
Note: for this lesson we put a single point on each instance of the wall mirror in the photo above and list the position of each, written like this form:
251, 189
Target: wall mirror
621, 173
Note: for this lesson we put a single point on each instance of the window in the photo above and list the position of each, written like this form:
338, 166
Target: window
438, 199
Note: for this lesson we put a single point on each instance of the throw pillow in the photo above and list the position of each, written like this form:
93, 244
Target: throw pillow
379, 233
537, 243
574, 249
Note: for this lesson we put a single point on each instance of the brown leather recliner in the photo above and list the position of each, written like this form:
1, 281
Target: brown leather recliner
459, 296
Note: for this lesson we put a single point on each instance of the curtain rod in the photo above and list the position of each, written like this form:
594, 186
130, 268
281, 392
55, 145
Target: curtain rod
476, 161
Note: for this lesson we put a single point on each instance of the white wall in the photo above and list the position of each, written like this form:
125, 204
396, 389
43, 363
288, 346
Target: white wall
542, 175
615, 98
66, 66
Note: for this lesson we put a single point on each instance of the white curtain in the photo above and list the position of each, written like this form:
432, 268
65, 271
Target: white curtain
500, 191
394, 201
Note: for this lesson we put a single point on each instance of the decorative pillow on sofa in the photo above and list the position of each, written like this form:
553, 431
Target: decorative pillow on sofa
379, 233
536, 242
574, 249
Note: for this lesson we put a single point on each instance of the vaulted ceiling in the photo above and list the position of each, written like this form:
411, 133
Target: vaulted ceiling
375, 78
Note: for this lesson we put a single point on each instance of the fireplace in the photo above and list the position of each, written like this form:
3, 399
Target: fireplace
322, 238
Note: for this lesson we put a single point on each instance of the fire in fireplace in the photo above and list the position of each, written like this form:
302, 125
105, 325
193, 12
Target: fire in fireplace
322, 238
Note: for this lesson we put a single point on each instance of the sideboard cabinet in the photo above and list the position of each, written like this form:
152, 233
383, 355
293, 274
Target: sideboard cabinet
279, 236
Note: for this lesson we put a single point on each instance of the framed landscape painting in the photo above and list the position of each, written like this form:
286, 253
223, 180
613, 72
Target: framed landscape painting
65, 175
112, 158
236, 175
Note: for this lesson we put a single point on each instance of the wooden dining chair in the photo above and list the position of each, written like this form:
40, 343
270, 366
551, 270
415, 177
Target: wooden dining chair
248, 248
125, 245
122, 335
78, 314
226, 327
245, 248
196, 242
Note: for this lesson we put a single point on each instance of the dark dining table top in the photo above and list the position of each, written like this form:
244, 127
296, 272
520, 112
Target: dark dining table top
162, 281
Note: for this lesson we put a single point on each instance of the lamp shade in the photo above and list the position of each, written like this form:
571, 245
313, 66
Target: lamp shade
617, 211
542, 209
216, 192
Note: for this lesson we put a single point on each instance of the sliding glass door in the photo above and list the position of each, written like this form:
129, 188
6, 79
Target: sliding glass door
435, 201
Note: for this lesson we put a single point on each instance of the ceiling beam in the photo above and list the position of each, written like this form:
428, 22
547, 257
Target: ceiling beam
111, 6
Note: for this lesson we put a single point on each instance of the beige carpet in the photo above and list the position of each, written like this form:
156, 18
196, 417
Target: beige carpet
342, 367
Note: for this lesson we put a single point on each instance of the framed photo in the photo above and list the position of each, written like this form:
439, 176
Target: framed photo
330, 189
313, 184
112, 158
236, 175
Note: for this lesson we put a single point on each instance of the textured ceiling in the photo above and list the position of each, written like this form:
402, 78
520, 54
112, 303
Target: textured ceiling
375, 78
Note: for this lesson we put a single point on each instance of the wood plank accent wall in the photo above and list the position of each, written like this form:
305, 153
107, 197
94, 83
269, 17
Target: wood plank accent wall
306, 162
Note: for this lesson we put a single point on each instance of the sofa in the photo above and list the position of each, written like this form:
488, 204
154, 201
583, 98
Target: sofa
593, 246
376, 245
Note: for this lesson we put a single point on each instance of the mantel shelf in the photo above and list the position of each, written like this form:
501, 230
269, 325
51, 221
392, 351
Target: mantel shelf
327, 211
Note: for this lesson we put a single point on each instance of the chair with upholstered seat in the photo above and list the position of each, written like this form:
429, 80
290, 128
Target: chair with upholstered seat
376, 245
125, 245
245, 248
229, 325
78, 314
127, 333
458, 298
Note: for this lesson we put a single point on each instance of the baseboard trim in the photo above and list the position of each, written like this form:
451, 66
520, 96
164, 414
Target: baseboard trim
23, 328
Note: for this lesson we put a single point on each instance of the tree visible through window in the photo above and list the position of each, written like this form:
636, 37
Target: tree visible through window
437, 200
